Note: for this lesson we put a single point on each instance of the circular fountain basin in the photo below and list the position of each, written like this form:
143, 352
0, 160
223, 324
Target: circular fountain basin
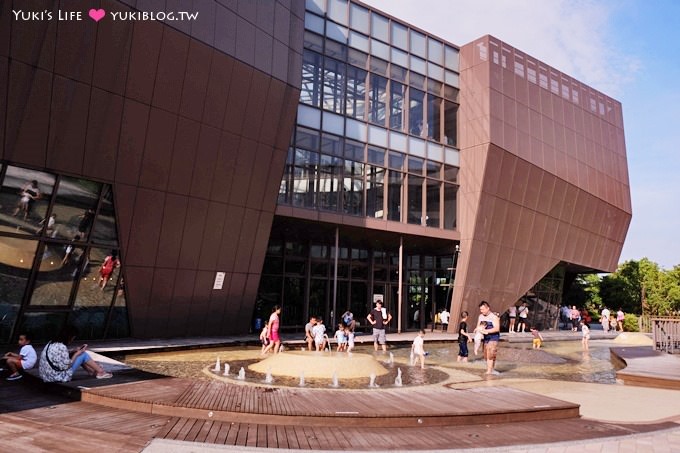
320, 365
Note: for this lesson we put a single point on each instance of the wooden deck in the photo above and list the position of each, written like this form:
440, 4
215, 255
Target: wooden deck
648, 368
413, 407
39, 420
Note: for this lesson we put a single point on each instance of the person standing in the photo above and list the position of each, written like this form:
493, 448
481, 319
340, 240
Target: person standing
463, 338
575, 317
274, 338
604, 319
523, 312
620, 316
379, 318
585, 332
491, 335
512, 315
418, 348
444, 317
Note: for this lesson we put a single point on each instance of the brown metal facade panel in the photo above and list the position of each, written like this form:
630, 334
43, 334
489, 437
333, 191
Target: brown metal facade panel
76, 42
5, 27
196, 79
4, 66
172, 228
183, 155
68, 125
113, 51
543, 184
103, 131
131, 142
170, 73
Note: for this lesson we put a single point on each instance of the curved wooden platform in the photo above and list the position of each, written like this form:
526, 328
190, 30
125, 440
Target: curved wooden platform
408, 407
646, 367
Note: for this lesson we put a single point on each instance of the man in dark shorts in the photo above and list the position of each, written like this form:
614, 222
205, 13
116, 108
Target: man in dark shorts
379, 318
463, 338
491, 335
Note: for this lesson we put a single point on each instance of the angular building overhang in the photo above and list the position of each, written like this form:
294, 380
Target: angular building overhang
543, 174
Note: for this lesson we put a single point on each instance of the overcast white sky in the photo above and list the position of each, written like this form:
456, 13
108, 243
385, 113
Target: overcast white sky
628, 49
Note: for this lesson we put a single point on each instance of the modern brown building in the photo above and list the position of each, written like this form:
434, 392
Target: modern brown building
317, 155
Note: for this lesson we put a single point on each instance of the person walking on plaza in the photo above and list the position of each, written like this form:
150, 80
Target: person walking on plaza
463, 338
575, 317
537, 340
379, 318
523, 312
620, 316
604, 319
491, 335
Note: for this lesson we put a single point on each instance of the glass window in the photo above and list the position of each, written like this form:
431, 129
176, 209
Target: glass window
396, 161
58, 269
394, 188
435, 51
105, 223
333, 85
433, 169
418, 45
43, 326
451, 58
74, 208
314, 23
119, 326
418, 64
415, 199
378, 66
332, 144
399, 57
415, 165
399, 35
357, 58
397, 111
313, 41
358, 17
304, 178
358, 41
354, 150
416, 101
450, 123
376, 156
433, 200
24, 199
16, 261
450, 192
379, 27
336, 50
356, 93
330, 174
307, 139
292, 307
398, 73
311, 78
338, 33
377, 99
434, 106
375, 197
450, 173
353, 190
380, 49
337, 10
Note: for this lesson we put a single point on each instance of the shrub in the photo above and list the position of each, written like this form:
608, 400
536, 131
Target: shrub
630, 323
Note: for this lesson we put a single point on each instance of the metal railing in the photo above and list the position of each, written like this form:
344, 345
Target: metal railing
666, 334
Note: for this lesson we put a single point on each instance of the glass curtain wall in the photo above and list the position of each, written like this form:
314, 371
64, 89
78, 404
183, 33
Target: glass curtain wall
59, 256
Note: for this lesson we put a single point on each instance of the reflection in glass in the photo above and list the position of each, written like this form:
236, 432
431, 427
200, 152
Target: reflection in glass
432, 206
16, 259
330, 175
318, 298
359, 299
415, 199
397, 111
92, 291
394, 195
333, 85
74, 208
311, 78
415, 112
43, 326
24, 199
54, 281
450, 123
356, 93
375, 198
105, 224
434, 117
450, 192
292, 312
304, 182
377, 99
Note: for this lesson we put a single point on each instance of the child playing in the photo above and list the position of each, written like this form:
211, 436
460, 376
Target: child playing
537, 338
463, 338
264, 337
479, 335
350, 338
25, 360
418, 348
341, 338
585, 331
320, 336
